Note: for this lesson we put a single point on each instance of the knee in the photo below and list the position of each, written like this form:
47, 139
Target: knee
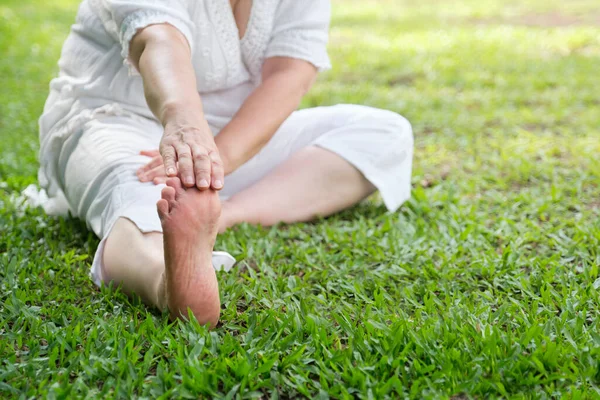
390, 126
394, 125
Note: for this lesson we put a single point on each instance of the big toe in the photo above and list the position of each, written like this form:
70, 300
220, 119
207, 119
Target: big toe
168, 193
162, 206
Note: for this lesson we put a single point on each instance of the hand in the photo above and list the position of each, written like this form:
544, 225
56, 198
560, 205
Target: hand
154, 170
192, 152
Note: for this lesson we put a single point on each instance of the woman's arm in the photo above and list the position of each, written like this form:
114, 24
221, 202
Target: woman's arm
284, 82
162, 55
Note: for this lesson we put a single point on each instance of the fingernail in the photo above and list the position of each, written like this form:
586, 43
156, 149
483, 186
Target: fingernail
170, 171
218, 184
189, 180
203, 183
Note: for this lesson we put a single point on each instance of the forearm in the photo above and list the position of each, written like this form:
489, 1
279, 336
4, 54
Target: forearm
163, 58
262, 113
162, 55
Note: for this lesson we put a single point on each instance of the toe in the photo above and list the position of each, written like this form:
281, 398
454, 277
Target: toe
175, 183
168, 193
162, 206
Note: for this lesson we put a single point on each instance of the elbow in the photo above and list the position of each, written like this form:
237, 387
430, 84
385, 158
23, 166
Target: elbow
297, 75
302, 84
151, 36
307, 84
138, 44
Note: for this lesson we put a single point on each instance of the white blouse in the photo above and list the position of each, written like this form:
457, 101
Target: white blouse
288, 28
95, 73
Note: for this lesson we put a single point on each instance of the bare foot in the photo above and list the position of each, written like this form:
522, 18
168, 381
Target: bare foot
190, 220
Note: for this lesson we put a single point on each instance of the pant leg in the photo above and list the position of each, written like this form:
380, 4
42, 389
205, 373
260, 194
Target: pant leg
98, 165
378, 143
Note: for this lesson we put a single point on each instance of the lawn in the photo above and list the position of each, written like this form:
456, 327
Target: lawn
485, 284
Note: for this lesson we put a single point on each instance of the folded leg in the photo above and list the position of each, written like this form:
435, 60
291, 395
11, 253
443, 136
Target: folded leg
321, 161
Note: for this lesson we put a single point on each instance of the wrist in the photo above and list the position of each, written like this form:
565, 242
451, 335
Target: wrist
182, 114
227, 151
228, 162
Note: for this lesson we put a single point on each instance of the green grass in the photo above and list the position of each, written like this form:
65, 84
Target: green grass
485, 284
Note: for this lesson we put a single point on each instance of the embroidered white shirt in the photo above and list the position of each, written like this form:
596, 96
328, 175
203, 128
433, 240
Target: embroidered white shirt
290, 28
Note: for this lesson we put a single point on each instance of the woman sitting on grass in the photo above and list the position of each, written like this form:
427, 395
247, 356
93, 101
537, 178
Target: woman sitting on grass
214, 85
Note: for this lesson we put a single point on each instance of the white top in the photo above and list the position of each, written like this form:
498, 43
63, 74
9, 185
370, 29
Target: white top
291, 28
94, 58
96, 79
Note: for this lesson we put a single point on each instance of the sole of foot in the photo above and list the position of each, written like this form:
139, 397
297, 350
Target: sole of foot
190, 221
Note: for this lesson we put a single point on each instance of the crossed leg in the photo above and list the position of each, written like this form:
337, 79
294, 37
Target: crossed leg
313, 183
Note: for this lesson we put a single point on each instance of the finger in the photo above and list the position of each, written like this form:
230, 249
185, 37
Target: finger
161, 180
186, 165
217, 171
150, 153
149, 176
202, 167
170, 159
157, 172
156, 162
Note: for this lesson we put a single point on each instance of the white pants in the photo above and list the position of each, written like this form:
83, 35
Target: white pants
99, 161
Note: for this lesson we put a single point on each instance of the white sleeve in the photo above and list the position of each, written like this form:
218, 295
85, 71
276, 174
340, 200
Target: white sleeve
301, 30
123, 18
